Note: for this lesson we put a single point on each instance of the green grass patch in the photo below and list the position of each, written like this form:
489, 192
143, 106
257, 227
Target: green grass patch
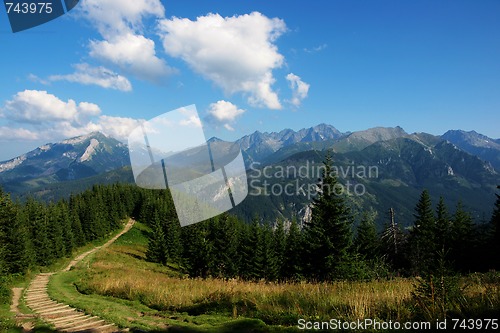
126, 256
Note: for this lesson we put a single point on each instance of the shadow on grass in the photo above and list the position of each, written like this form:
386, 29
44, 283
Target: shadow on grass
35, 330
238, 326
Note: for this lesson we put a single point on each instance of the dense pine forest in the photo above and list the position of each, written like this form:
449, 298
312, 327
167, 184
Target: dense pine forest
338, 243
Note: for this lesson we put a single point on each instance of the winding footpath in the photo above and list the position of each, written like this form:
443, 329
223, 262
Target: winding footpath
63, 317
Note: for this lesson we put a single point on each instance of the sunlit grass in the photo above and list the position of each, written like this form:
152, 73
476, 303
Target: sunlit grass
121, 273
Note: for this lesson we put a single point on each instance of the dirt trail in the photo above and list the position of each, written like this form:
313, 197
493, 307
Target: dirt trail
108, 243
63, 317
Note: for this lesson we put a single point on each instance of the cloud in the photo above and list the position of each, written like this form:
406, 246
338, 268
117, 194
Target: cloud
34, 106
225, 111
121, 24
33, 78
237, 53
100, 76
318, 48
300, 89
191, 118
117, 127
37, 115
17, 134
134, 54
228, 127
116, 17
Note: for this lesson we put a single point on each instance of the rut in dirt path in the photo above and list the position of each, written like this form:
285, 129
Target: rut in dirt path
63, 317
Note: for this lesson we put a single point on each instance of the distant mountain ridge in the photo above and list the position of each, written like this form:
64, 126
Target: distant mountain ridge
71, 159
486, 148
257, 146
95, 157
406, 165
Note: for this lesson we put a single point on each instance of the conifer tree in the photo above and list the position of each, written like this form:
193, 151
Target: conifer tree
367, 240
157, 247
442, 227
14, 248
328, 234
224, 239
67, 230
495, 223
197, 250
245, 251
270, 268
6, 218
39, 232
256, 250
252, 251
423, 236
461, 234
76, 227
55, 231
279, 242
172, 230
292, 265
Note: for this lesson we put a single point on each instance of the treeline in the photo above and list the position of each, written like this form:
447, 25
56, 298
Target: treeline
328, 247
36, 234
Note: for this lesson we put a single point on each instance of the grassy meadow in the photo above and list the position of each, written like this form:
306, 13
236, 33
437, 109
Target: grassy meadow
119, 285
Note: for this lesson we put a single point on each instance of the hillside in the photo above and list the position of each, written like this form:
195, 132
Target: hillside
73, 159
486, 148
402, 168
406, 164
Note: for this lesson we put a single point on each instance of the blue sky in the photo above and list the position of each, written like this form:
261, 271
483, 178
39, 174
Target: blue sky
427, 66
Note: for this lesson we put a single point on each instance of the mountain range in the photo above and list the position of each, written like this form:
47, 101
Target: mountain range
458, 165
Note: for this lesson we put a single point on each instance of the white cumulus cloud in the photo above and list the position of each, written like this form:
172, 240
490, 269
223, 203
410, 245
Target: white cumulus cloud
134, 54
100, 76
116, 127
224, 113
17, 134
237, 53
300, 89
124, 44
37, 115
35, 106
115, 17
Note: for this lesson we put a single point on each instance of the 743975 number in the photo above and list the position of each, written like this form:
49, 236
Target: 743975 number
29, 7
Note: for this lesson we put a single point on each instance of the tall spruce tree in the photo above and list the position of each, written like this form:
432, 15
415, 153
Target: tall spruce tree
270, 265
328, 234
172, 228
39, 232
157, 247
279, 242
442, 227
423, 242
7, 216
224, 237
197, 250
65, 222
367, 240
14, 240
55, 231
292, 265
495, 223
256, 250
461, 238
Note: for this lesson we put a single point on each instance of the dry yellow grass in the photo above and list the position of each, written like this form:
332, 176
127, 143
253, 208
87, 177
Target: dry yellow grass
122, 278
